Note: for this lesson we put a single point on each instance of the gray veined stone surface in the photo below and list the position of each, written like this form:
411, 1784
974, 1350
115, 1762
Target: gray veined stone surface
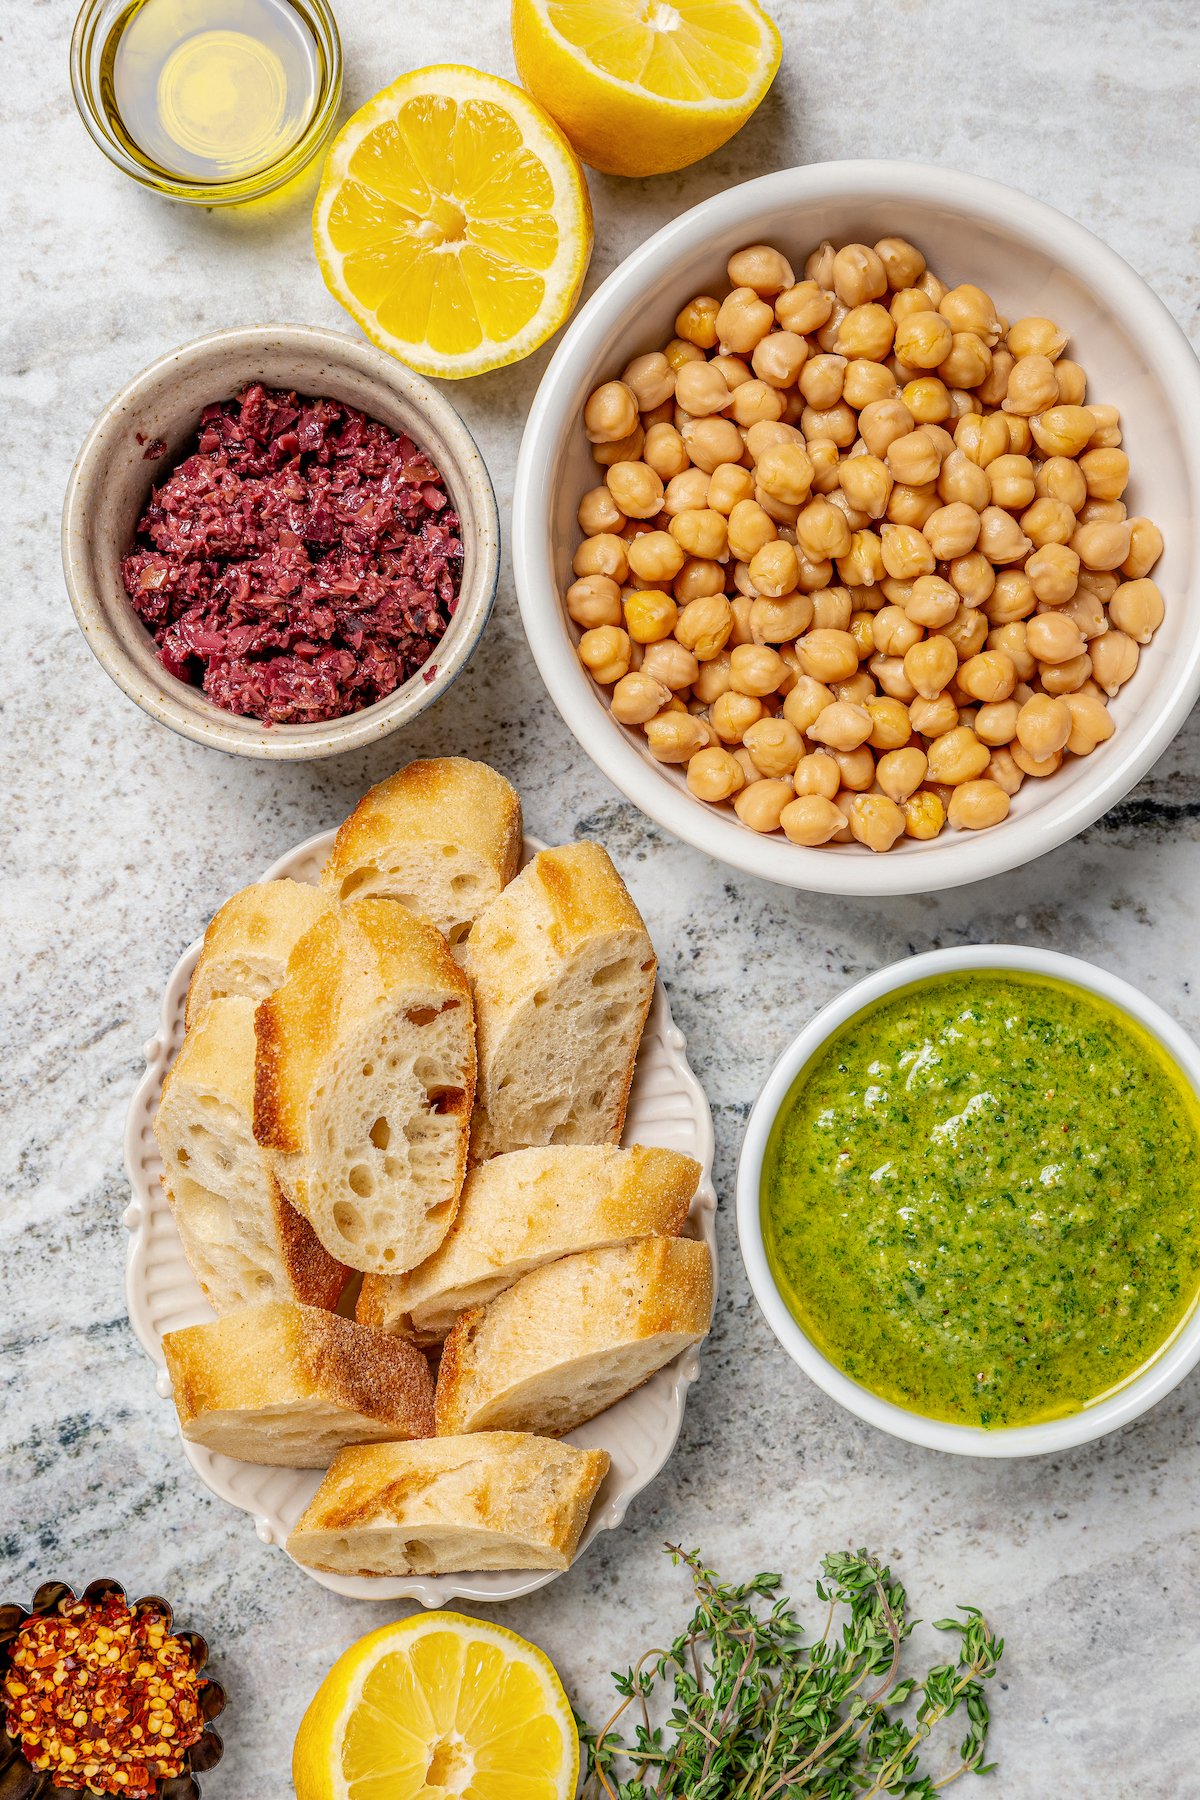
121, 840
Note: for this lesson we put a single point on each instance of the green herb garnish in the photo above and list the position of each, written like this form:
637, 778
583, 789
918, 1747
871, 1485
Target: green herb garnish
759, 1713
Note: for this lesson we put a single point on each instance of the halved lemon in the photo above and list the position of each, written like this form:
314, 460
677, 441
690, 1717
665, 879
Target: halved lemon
438, 1706
644, 86
453, 221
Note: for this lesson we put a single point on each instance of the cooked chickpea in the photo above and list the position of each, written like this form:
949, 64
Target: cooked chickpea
857, 769
664, 451
1038, 766
996, 722
761, 267
821, 380
732, 714
842, 726
728, 484
650, 616
837, 423
1066, 677
994, 387
1020, 437
963, 483
742, 320
760, 803
755, 402
891, 726
1011, 639
697, 579
1090, 723
704, 626
1043, 727
901, 772
930, 665
903, 263
779, 357
1102, 544
957, 756
697, 323
711, 441
655, 556
785, 473
828, 655
1032, 387
933, 718
858, 275
867, 483
895, 630
807, 700
913, 459
981, 439
1114, 660
1088, 613
812, 818
1053, 573
598, 512
882, 422
906, 552
679, 351
977, 804
989, 676
668, 662
594, 601
1053, 638
605, 653
1000, 537
774, 569
735, 369
637, 490
1061, 430
1072, 382
1106, 473
775, 746
1137, 609
923, 339
924, 815
973, 577
967, 631
756, 669
866, 381
714, 775
1048, 521
968, 363
700, 531
626, 449
822, 532
1092, 510
1036, 336
931, 602
1061, 478
928, 399
951, 531
866, 331
701, 389
1106, 422
604, 554
611, 412
714, 678
875, 821
638, 697
1011, 482
1145, 548
675, 737
803, 308
749, 530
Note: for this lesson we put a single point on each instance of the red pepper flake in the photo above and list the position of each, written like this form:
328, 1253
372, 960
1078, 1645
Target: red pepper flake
302, 561
103, 1697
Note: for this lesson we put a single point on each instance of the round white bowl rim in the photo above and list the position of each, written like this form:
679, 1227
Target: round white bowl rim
352, 730
1174, 1361
962, 857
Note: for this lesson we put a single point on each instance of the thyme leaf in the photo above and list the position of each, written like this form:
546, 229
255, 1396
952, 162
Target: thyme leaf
745, 1705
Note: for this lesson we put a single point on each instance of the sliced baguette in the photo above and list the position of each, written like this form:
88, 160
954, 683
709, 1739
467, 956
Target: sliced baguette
247, 944
495, 1500
441, 836
364, 1080
291, 1385
525, 1209
242, 1238
563, 972
571, 1338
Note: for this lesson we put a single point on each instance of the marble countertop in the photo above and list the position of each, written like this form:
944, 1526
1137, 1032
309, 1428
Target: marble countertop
121, 840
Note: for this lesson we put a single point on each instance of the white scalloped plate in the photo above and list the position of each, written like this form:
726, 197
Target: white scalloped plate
667, 1107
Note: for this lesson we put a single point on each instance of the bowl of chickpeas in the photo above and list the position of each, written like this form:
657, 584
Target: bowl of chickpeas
854, 528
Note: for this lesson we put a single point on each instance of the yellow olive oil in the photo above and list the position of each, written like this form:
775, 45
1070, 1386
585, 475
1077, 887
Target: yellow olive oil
213, 92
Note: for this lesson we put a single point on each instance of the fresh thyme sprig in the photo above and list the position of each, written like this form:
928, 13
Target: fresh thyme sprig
757, 1712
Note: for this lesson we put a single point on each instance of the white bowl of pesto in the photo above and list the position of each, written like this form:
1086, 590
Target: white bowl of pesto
968, 1203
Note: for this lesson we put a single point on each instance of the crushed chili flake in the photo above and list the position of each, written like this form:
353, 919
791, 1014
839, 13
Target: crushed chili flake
301, 563
103, 1697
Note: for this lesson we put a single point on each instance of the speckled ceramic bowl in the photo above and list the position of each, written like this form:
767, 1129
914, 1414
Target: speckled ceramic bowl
112, 478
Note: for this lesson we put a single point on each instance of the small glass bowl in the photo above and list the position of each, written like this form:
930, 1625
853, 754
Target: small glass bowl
19, 1782
92, 30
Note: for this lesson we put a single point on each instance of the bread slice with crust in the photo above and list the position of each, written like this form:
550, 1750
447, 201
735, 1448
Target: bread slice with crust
242, 1238
442, 836
494, 1500
364, 1080
525, 1209
571, 1338
291, 1385
247, 944
563, 972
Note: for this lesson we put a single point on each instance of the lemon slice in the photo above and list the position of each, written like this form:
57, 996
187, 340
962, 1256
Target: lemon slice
643, 86
438, 1706
453, 221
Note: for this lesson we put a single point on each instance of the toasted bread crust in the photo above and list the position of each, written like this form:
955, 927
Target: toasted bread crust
249, 940
522, 1500
259, 1356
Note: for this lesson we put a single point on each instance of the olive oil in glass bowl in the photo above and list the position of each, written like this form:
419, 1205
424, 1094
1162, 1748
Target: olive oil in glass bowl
209, 101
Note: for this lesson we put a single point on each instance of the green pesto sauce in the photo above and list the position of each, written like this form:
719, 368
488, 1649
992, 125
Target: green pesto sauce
981, 1198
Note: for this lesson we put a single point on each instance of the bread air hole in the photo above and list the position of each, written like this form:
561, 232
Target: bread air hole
613, 972
348, 1221
459, 932
418, 1556
362, 1181
381, 1134
463, 884
446, 1099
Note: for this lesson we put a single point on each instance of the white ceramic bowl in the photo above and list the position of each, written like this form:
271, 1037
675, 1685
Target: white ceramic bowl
1032, 260
111, 482
1176, 1359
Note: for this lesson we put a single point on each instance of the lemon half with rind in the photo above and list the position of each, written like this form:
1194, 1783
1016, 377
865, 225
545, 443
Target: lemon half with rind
645, 86
453, 221
435, 1707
